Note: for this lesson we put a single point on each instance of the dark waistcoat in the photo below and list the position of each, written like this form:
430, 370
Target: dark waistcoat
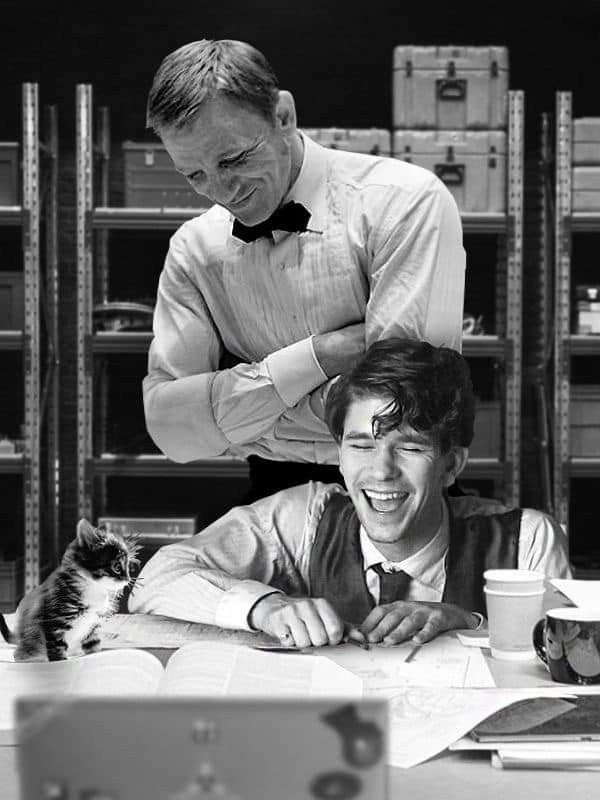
476, 543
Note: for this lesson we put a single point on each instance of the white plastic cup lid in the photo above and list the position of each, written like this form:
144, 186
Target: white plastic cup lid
514, 575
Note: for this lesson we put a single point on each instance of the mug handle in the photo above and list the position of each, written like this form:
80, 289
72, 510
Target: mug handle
538, 640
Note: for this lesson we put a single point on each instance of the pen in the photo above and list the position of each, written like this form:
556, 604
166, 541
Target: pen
412, 653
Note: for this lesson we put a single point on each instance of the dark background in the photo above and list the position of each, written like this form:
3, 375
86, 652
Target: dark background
336, 57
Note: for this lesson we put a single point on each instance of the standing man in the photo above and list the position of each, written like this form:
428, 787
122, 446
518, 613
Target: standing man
308, 256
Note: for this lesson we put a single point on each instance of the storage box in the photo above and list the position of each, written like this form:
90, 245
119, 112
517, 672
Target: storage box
450, 88
586, 141
154, 531
151, 180
586, 188
375, 141
587, 320
9, 174
12, 311
472, 164
486, 437
584, 413
11, 584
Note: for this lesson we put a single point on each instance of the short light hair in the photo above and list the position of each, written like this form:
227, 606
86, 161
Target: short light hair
203, 69
429, 388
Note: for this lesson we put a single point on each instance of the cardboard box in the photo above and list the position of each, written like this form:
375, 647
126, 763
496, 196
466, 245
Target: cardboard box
9, 174
586, 141
374, 141
11, 584
12, 310
472, 164
488, 425
586, 188
584, 413
155, 531
151, 180
450, 88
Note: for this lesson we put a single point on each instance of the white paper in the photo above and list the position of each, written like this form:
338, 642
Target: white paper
443, 662
585, 594
425, 721
237, 671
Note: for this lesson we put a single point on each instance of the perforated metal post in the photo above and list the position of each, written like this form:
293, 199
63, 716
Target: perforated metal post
84, 181
31, 343
562, 251
514, 281
52, 294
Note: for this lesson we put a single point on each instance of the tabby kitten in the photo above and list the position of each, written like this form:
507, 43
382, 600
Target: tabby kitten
63, 615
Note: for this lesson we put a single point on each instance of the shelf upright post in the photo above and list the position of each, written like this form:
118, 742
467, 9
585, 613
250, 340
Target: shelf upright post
562, 250
31, 338
84, 182
514, 279
52, 295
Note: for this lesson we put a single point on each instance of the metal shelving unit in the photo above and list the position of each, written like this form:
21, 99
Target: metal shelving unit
93, 226
98, 220
39, 166
567, 345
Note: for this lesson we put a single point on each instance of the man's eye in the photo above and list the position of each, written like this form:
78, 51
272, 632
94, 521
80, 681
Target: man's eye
410, 448
235, 162
362, 446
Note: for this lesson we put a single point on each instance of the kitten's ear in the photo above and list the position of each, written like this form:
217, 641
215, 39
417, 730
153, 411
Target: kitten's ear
87, 535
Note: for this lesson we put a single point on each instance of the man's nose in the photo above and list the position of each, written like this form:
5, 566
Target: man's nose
222, 188
385, 464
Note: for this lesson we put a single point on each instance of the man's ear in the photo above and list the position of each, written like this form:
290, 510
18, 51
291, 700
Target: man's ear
285, 112
456, 461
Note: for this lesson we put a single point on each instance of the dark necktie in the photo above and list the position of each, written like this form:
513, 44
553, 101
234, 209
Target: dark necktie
290, 217
392, 585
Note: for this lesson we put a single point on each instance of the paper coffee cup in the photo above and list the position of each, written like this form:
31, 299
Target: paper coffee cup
514, 601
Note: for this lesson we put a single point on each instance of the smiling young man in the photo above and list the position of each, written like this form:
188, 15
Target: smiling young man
392, 558
307, 256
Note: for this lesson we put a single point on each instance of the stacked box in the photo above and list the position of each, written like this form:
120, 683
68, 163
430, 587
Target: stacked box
9, 174
151, 180
588, 309
586, 164
12, 307
375, 141
486, 432
11, 584
450, 112
472, 164
584, 412
156, 531
450, 88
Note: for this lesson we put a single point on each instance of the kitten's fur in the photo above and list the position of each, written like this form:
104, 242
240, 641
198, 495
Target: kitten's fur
63, 615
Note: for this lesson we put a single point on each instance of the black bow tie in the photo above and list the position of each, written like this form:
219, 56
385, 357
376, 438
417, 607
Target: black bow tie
290, 217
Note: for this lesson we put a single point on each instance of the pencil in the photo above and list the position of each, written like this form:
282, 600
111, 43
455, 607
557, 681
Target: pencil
412, 653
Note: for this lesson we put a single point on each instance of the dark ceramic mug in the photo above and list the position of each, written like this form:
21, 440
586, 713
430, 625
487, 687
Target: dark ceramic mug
568, 642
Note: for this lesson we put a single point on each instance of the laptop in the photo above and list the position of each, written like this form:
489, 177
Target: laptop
160, 748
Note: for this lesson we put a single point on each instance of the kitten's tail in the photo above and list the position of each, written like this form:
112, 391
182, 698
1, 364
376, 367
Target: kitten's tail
5, 631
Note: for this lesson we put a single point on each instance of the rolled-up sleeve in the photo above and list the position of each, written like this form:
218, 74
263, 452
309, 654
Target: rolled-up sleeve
417, 272
194, 410
218, 575
543, 545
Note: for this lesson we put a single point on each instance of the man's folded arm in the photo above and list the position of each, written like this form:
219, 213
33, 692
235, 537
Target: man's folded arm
193, 410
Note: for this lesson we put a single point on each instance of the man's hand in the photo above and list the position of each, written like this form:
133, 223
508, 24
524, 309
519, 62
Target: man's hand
299, 621
338, 351
396, 622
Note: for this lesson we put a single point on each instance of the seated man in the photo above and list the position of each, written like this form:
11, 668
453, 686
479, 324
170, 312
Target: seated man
392, 559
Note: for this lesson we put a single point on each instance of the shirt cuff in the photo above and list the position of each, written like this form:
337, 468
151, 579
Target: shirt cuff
236, 604
295, 371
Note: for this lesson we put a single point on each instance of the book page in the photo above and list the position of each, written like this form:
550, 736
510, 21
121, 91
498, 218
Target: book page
585, 594
119, 672
155, 631
213, 669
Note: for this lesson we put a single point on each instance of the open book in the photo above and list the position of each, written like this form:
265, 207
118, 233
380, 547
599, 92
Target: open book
207, 669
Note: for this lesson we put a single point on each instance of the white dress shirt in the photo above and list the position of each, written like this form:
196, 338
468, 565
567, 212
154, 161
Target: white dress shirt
383, 247
217, 576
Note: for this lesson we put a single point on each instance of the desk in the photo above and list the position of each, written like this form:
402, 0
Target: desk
450, 776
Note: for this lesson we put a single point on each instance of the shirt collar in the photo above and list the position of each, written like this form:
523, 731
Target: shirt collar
425, 566
310, 186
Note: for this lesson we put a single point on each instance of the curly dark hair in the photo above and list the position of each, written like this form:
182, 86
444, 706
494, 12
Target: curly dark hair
428, 388
202, 69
